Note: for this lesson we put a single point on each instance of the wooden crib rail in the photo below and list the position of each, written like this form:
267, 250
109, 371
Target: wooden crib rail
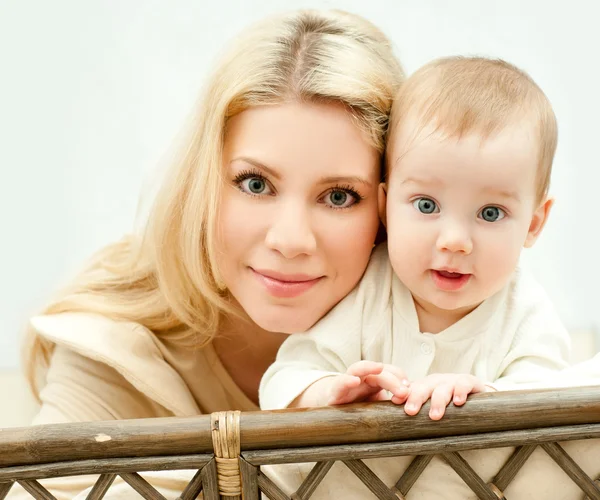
356, 423
228, 448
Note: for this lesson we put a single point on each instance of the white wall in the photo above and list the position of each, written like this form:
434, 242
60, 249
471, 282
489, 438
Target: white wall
93, 92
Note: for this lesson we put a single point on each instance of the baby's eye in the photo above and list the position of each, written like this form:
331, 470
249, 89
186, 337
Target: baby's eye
254, 185
426, 205
492, 214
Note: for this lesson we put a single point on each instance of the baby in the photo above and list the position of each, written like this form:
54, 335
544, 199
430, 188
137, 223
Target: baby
443, 309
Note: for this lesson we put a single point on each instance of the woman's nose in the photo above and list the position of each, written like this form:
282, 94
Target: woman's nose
291, 233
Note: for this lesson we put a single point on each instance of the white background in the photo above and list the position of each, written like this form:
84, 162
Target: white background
93, 93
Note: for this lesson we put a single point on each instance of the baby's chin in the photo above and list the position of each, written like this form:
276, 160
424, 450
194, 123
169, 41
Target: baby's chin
452, 305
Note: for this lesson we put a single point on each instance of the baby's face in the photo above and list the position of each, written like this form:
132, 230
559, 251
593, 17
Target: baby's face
459, 211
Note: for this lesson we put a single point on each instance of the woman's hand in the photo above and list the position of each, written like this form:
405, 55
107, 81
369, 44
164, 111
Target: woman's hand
441, 388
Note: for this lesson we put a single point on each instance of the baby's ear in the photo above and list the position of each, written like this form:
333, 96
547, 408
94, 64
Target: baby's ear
538, 221
381, 202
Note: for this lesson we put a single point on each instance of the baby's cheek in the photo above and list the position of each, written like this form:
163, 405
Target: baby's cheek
406, 238
498, 262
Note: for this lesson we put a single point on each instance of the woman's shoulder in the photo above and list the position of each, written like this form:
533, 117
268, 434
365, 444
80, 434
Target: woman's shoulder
99, 337
127, 347
89, 330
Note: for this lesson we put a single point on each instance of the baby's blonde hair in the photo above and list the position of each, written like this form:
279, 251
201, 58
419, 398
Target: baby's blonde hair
166, 278
461, 95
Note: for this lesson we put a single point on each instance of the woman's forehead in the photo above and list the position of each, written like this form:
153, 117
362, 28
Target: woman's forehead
317, 139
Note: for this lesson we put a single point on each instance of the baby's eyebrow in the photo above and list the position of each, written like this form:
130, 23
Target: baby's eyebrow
429, 181
502, 193
490, 190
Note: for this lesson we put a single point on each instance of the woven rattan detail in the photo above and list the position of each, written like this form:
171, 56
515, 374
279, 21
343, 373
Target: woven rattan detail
225, 428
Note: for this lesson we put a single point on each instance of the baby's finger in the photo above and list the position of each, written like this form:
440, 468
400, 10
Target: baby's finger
461, 390
397, 372
388, 381
362, 392
419, 393
440, 398
400, 400
364, 368
382, 395
341, 387
464, 386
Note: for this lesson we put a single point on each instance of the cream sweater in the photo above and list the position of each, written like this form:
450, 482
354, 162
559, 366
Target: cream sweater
513, 337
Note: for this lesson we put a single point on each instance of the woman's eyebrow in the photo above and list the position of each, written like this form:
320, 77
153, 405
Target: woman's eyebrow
346, 179
331, 179
261, 166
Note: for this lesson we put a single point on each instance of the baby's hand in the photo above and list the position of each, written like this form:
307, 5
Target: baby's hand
441, 388
367, 381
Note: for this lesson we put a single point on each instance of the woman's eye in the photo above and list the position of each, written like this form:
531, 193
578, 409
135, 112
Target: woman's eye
492, 214
255, 185
337, 198
426, 205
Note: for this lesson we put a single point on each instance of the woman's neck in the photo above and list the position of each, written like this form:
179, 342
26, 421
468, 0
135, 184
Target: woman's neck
246, 351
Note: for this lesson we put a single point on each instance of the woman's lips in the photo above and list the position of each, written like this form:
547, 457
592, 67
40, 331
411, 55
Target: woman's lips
285, 285
449, 281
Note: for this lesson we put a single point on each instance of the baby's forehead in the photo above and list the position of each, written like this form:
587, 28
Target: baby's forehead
412, 138
506, 159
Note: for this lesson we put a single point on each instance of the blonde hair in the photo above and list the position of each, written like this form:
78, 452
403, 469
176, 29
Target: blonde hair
460, 95
165, 278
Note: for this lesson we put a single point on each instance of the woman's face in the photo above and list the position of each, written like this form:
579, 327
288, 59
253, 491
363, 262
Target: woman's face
298, 216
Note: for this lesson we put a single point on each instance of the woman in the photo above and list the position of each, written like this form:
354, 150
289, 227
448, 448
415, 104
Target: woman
266, 222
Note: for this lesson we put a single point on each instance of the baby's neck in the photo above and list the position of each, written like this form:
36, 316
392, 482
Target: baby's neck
432, 319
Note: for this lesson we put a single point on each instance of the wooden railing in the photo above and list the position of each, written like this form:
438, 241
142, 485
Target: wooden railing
227, 449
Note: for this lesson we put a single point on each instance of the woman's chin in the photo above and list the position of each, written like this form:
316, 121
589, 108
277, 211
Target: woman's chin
292, 322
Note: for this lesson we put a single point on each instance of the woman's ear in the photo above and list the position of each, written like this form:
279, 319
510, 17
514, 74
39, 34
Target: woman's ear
538, 221
381, 203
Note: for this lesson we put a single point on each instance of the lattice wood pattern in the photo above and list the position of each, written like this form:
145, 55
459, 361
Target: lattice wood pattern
227, 449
